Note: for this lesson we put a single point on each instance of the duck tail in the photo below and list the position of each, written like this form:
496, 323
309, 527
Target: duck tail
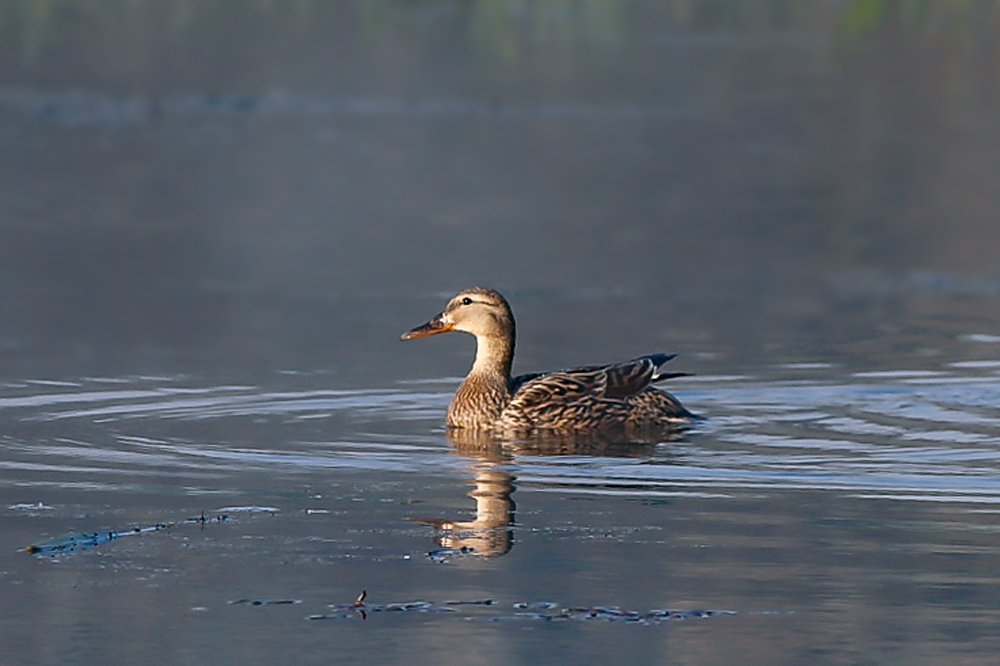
659, 377
658, 360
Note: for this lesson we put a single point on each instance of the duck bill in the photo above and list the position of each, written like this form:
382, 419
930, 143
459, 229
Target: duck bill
436, 325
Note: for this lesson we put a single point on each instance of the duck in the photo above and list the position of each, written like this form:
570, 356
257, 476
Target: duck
588, 398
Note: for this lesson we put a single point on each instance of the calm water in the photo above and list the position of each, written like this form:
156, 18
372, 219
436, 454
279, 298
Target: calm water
217, 218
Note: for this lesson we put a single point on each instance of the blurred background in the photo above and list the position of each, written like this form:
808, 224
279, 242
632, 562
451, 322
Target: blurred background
211, 185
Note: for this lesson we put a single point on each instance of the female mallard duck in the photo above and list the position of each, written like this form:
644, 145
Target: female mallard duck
590, 398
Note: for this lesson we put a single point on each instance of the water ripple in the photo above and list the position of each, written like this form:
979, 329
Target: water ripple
871, 435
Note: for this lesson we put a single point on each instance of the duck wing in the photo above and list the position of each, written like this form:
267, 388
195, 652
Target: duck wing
623, 379
556, 399
631, 377
592, 396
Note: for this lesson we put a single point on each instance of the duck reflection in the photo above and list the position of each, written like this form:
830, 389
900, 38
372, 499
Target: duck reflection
490, 533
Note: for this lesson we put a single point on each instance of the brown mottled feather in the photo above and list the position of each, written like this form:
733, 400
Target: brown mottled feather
554, 400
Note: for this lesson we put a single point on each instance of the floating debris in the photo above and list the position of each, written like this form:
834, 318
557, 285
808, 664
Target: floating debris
30, 507
70, 543
265, 602
538, 605
605, 613
359, 607
75, 542
343, 611
422, 606
540, 611
444, 554
250, 509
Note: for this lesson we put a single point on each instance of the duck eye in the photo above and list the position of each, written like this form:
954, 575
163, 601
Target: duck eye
466, 301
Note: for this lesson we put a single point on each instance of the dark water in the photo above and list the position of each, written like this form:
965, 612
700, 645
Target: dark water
217, 218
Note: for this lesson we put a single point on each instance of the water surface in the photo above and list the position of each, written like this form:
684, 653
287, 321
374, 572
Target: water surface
809, 516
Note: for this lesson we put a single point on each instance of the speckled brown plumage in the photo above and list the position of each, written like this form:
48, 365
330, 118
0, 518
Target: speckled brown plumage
587, 398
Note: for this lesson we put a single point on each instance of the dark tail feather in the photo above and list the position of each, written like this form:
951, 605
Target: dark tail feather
658, 359
670, 375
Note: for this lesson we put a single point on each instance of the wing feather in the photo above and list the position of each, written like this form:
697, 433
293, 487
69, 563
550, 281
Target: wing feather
553, 399
592, 396
631, 377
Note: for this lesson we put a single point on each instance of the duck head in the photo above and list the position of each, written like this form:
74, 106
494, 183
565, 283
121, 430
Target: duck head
482, 312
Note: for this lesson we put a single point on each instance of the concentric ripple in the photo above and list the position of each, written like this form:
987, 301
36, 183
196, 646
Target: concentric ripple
926, 435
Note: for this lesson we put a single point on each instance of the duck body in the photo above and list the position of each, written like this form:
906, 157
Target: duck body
598, 397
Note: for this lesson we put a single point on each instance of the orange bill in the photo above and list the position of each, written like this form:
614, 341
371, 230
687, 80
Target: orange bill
436, 325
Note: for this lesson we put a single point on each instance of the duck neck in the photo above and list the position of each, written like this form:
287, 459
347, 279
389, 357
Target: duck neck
483, 395
494, 357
